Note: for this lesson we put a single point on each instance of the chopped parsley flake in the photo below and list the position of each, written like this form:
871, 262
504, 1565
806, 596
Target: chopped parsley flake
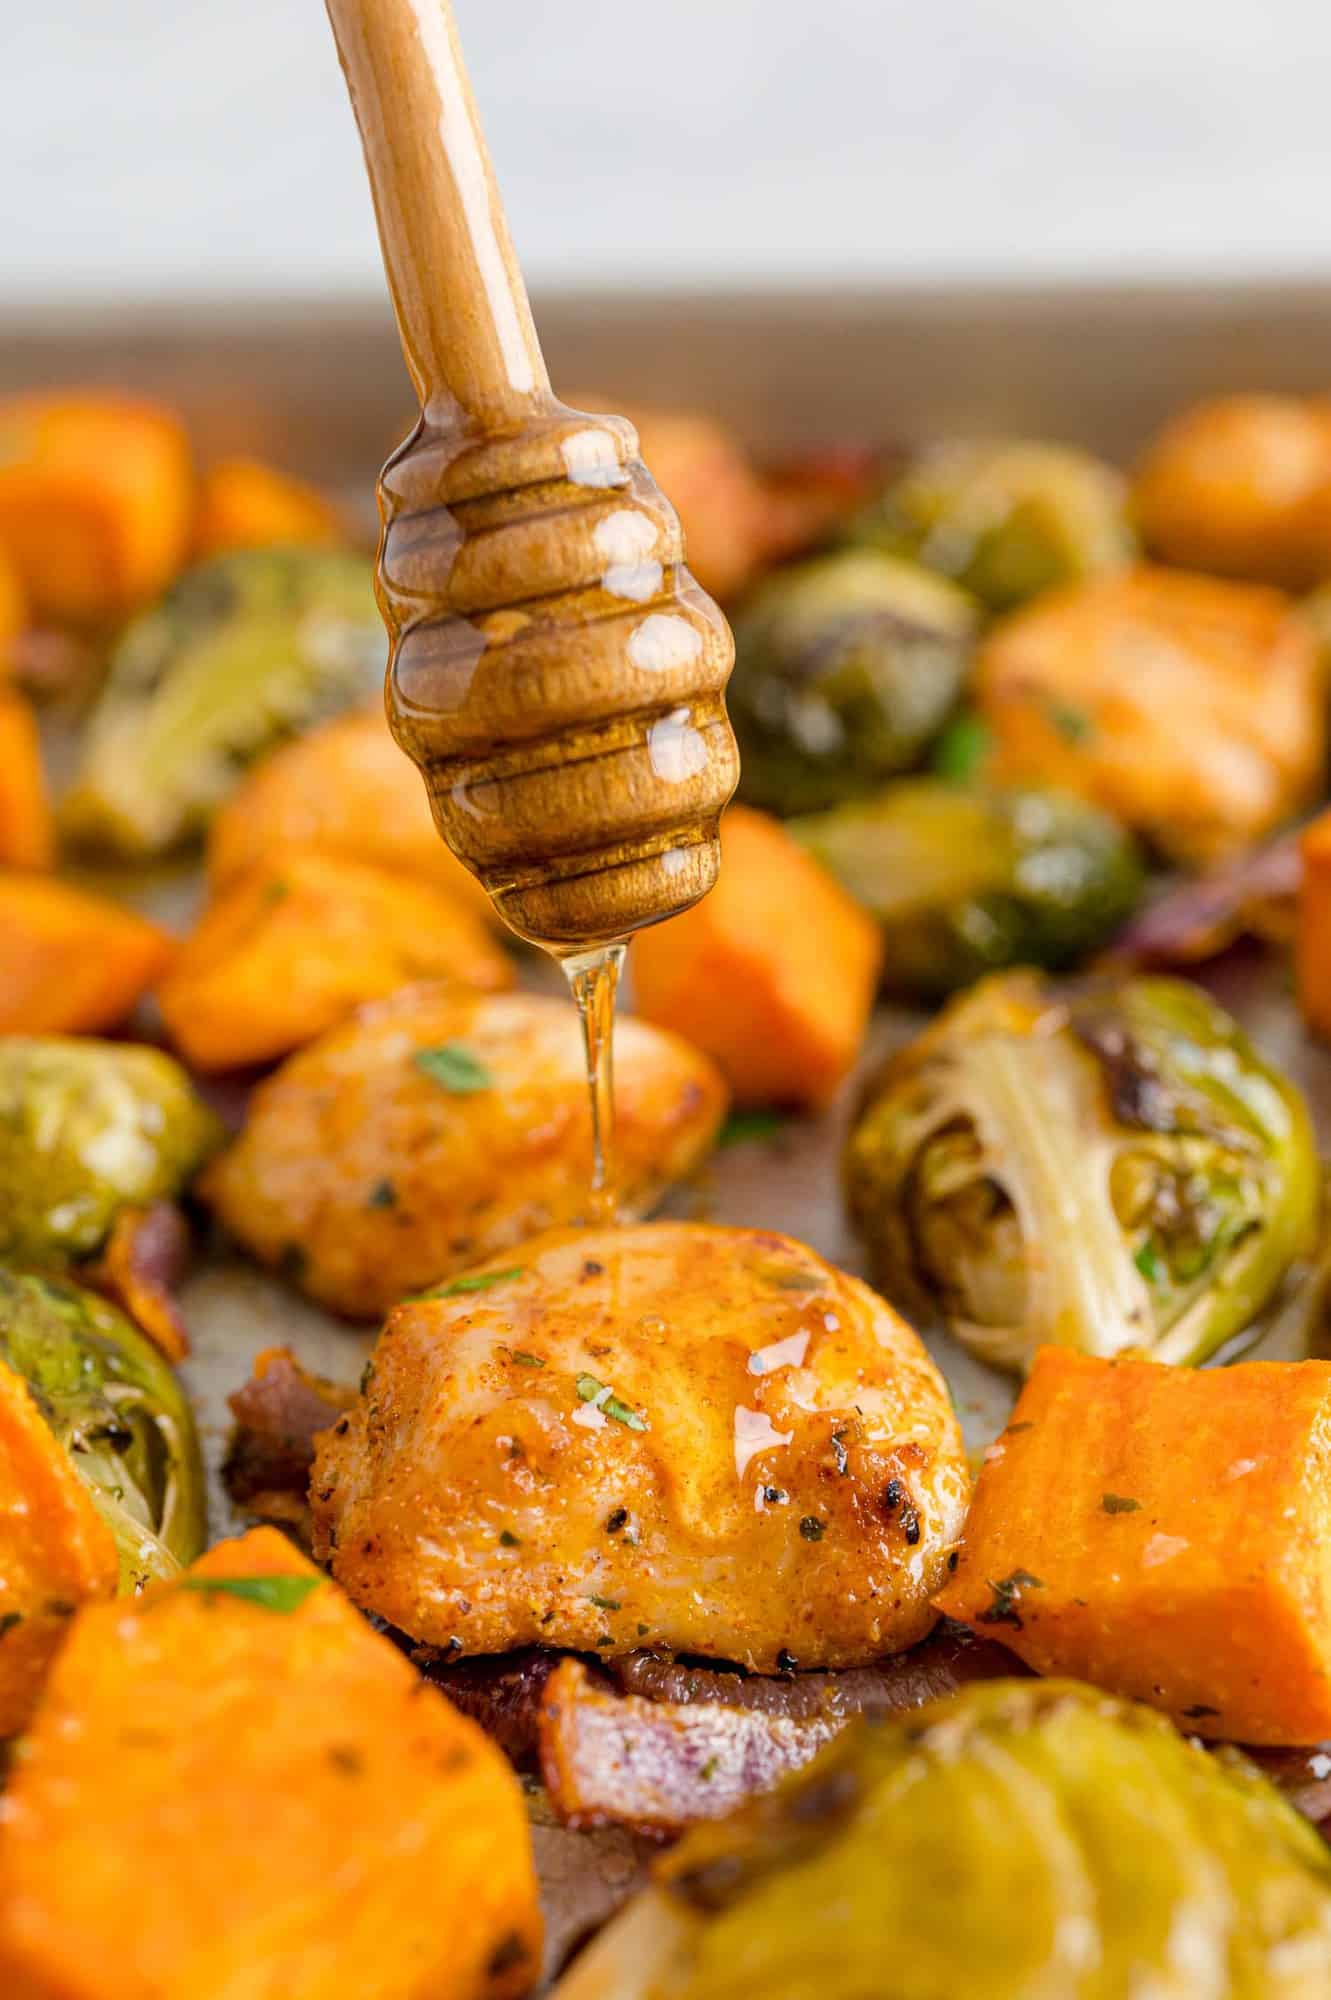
453, 1065
508, 1540
1119, 1503
812, 1528
604, 1603
270, 1593
605, 1400
382, 1195
961, 749
475, 1281
1008, 1592
1074, 725
1150, 1263
745, 1127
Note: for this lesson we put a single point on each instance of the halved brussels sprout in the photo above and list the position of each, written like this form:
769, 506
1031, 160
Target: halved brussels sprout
1112, 1168
966, 882
846, 667
1021, 1838
245, 650
1005, 518
88, 1128
115, 1405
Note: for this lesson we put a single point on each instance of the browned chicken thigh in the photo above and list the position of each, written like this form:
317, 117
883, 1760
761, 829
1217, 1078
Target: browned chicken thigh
666, 1435
440, 1127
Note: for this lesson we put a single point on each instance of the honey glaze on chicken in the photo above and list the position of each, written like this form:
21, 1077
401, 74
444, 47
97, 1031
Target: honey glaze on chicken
670, 1435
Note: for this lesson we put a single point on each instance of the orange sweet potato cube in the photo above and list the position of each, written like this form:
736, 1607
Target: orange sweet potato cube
1164, 1533
244, 504
27, 826
292, 947
1312, 932
772, 974
71, 963
234, 1786
56, 1552
96, 494
344, 788
12, 609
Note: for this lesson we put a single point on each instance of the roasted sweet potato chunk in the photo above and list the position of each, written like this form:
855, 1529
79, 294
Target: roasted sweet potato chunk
12, 609
1312, 934
96, 493
344, 788
772, 974
245, 504
291, 948
27, 828
1190, 708
1164, 1533
235, 1786
1242, 486
70, 963
56, 1552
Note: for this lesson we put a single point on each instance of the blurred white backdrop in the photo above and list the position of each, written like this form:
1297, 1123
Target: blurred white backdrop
150, 148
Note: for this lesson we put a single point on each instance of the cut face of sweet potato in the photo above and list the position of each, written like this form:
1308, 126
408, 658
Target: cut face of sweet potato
291, 948
345, 788
235, 1785
70, 962
96, 492
772, 974
27, 827
1163, 1533
56, 1552
244, 504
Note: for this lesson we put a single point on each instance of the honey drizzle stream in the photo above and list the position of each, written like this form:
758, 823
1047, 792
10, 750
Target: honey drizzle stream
593, 978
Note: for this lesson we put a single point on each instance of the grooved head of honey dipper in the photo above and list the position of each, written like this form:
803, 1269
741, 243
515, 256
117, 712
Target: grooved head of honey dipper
557, 674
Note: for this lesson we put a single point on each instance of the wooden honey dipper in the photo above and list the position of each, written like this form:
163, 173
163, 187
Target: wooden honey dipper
555, 671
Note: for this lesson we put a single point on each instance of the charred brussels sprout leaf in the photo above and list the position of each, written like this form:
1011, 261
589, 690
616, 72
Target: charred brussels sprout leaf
246, 649
846, 668
118, 1410
88, 1128
1007, 520
1019, 1838
1111, 1168
966, 882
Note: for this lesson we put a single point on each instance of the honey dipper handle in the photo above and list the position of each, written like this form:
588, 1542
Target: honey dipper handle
462, 312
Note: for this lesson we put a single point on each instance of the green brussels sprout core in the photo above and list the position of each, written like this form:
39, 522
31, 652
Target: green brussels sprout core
1113, 1168
846, 667
969, 881
87, 1128
114, 1404
247, 649
1006, 519
1018, 1838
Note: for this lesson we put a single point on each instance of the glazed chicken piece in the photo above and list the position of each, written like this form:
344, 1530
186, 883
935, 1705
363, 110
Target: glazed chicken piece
1190, 708
668, 1435
439, 1127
